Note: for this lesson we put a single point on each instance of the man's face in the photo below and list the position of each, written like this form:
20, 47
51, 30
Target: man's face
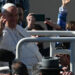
30, 20
11, 17
20, 13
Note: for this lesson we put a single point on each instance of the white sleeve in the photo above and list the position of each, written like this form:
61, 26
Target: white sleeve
62, 9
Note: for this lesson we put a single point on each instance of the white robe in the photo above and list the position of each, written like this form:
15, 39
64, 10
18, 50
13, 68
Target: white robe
29, 53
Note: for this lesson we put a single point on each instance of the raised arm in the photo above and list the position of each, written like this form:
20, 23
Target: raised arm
65, 2
2, 25
52, 24
62, 15
30, 21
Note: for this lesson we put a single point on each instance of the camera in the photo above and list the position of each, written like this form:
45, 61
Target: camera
39, 17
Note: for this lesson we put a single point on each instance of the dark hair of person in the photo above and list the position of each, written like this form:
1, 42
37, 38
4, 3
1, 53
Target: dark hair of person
7, 56
70, 25
20, 6
9, 1
71, 22
19, 68
49, 72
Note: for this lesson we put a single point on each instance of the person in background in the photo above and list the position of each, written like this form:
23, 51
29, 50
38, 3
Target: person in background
66, 71
62, 16
32, 25
65, 64
21, 15
70, 26
31, 21
49, 66
61, 21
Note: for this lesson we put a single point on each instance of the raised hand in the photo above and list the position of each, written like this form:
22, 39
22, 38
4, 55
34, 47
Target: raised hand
2, 24
30, 21
65, 2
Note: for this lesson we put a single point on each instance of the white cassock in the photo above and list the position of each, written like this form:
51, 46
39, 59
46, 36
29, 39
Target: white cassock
29, 53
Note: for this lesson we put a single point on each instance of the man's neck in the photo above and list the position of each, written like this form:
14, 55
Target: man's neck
10, 26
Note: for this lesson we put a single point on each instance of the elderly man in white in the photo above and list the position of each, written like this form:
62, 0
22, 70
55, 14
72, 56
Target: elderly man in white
11, 33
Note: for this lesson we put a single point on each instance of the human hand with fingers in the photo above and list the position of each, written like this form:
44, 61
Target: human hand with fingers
30, 20
65, 2
2, 25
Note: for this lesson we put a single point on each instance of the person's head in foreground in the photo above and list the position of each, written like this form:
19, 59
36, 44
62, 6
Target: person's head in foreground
18, 68
49, 66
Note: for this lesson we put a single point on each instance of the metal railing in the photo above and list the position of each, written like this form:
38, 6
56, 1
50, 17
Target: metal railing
52, 33
52, 40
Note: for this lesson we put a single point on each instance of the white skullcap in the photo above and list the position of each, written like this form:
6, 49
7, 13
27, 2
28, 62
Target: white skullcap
7, 5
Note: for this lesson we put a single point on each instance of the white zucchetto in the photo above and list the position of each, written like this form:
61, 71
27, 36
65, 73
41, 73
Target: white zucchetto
7, 5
